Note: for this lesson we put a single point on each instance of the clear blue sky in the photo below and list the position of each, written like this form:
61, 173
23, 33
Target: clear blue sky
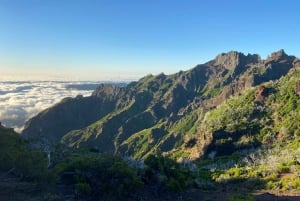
120, 39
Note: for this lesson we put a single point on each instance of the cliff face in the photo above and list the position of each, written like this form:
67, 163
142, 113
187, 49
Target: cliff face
156, 113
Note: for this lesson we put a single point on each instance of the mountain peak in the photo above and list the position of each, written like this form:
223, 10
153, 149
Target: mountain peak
280, 54
229, 60
232, 59
106, 90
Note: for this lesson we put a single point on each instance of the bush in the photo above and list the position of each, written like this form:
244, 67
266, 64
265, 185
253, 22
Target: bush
283, 168
292, 183
100, 175
168, 173
83, 188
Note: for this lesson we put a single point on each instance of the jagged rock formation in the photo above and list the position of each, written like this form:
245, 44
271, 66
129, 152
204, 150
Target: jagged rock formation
261, 93
157, 113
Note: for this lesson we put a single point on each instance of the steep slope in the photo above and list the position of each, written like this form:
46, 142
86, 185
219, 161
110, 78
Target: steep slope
255, 137
157, 113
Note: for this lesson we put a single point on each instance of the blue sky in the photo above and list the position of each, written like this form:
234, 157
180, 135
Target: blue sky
127, 39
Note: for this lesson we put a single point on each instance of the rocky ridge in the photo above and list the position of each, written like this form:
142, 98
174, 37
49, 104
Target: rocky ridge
157, 113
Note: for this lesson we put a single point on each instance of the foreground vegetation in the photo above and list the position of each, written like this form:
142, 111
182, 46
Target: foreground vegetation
90, 175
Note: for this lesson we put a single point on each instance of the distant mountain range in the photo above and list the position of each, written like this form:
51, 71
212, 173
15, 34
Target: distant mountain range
233, 102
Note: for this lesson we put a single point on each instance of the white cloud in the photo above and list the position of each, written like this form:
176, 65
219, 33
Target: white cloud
20, 101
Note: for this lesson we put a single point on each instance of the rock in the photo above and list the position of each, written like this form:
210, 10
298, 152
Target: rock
229, 60
297, 89
279, 55
105, 90
261, 94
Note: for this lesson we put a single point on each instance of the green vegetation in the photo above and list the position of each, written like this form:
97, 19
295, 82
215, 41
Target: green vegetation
100, 175
143, 143
16, 157
168, 173
235, 114
187, 126
242, 123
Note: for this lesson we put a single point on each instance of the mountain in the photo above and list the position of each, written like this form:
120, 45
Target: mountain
188, 114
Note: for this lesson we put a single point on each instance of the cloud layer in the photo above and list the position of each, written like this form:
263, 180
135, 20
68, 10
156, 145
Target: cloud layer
20, 101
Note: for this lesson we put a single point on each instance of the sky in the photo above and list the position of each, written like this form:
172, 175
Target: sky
127, 39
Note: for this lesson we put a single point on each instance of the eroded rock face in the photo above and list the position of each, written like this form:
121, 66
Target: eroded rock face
105, 90
233, 60
279, 55
229, 60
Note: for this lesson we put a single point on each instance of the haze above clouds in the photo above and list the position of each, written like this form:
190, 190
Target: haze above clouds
20, 101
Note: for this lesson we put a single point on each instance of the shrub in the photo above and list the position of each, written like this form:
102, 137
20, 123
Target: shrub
174, 185
291, 183
100, 175
83, 188
166, 172
283, 168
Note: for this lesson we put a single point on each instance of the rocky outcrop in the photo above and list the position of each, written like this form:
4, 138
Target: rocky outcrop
260, 94
233, 59
106, 90
236, 61
278, 56
297, 89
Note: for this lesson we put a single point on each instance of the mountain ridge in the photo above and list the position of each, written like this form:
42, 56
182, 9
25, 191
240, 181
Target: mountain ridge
146, 116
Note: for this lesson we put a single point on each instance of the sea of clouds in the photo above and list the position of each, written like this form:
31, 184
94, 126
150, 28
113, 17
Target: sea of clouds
19, 101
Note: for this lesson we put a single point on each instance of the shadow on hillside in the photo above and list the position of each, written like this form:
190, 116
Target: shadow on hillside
225, 143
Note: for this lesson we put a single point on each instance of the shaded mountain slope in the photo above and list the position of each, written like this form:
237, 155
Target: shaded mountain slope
160, 113
71, 113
